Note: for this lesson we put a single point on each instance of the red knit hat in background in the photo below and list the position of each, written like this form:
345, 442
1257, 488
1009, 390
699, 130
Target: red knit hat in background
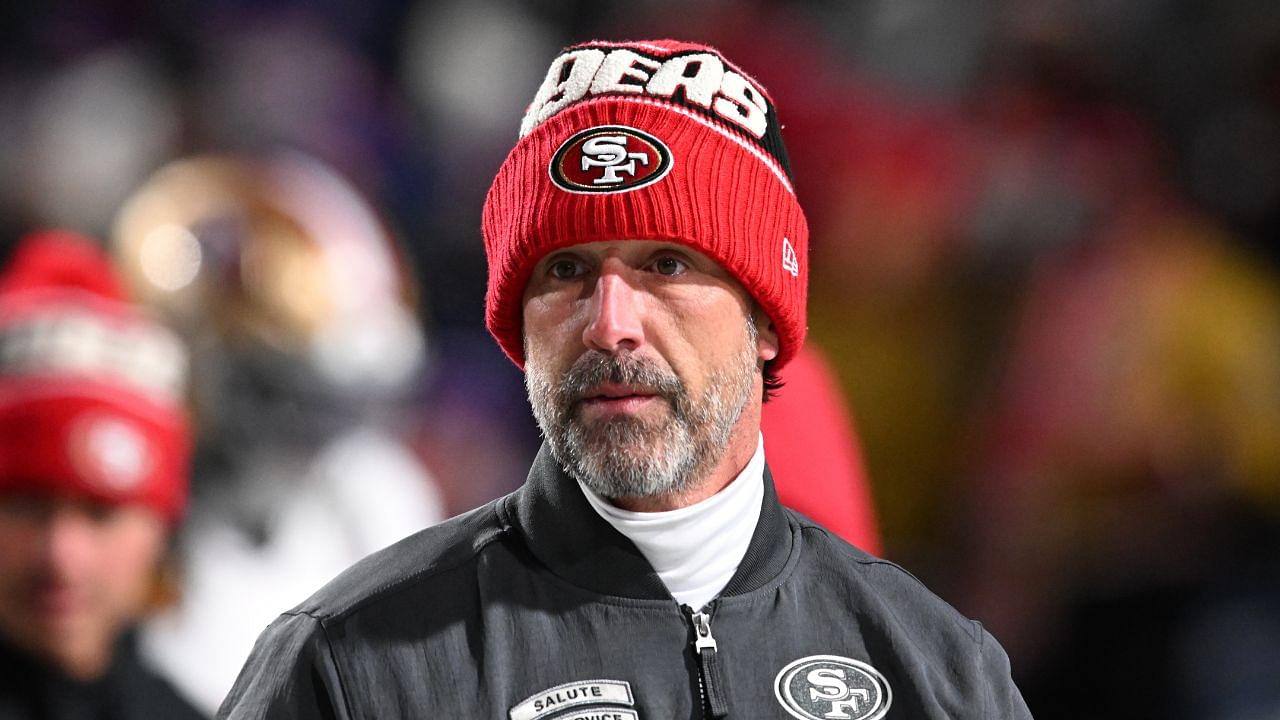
653, 140
91, 391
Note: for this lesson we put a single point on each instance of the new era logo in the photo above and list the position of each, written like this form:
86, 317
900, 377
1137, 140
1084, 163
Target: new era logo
790, 261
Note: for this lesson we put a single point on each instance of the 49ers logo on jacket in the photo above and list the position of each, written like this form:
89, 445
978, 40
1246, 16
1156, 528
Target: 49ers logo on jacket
830, 687
608, 159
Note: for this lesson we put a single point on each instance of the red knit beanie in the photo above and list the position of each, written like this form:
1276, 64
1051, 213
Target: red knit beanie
652, 140
91, 391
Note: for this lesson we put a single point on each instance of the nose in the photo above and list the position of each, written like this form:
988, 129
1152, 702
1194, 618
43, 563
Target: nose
616, 316
69, 541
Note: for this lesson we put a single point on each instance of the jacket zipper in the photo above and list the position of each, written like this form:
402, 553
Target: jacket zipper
711, 688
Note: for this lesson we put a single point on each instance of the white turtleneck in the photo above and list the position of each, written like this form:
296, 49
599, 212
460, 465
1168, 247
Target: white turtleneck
695, 549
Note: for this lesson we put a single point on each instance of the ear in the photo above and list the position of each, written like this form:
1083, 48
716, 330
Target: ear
766, 337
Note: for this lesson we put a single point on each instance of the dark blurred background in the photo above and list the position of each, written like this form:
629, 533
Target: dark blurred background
1043, 267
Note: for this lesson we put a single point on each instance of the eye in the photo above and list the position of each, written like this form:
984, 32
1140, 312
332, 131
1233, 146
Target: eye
669, 265
101, 513
565, 269
26, 507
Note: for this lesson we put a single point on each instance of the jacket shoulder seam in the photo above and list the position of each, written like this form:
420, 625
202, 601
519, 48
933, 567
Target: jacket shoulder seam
868, 560
337, 671
988, 699
971, 627
481, 542
421, 575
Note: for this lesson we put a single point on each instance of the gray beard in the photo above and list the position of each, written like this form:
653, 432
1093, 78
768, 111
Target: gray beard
638, 457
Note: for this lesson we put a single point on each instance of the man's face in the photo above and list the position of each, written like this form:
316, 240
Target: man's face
73, 574
640, 359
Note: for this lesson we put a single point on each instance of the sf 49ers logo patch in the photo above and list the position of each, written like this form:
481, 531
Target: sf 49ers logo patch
819, 687
111, 452
608, 159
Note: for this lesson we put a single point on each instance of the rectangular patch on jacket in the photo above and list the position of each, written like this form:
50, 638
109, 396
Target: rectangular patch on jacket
575, 694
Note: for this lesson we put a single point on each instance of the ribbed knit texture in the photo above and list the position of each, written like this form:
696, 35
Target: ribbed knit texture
725, 196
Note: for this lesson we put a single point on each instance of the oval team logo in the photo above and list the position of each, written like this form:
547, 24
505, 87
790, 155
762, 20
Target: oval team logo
830, 687
609, 158
111, 452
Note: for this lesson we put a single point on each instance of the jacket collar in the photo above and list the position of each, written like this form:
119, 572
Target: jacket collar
571, 539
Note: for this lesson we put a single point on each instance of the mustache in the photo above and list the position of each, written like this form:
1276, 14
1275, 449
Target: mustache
594, 369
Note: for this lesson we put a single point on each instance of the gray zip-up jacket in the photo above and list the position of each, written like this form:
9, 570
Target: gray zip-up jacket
534, 607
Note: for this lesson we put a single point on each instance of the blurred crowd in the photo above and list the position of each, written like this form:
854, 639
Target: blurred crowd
1042, 275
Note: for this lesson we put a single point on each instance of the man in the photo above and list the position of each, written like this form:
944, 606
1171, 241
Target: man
647, 269
93, 478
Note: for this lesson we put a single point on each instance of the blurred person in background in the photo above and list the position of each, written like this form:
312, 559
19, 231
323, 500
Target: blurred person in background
648, 265
94, 450
301, 320
1129, 475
